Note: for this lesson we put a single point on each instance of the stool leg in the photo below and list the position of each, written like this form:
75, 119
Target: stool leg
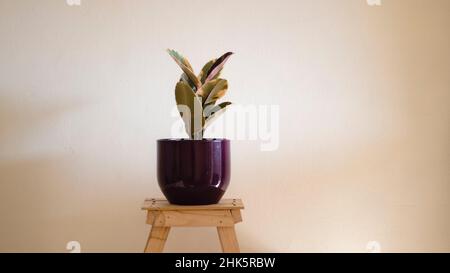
157, 239
228, 240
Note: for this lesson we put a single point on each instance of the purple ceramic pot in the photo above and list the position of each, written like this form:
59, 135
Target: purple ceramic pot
193, 172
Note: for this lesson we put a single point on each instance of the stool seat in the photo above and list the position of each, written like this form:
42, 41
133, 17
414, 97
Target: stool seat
162, 216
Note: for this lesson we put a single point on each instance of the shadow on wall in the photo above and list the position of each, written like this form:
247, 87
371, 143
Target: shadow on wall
43, 208
29, 191
32, 173
50, 194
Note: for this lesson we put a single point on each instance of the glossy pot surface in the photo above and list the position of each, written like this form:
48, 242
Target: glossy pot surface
193, 172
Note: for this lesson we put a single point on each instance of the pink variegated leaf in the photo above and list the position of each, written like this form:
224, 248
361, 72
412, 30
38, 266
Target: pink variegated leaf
217, 66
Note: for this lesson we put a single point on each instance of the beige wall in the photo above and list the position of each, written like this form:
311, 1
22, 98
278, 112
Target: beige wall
364, 96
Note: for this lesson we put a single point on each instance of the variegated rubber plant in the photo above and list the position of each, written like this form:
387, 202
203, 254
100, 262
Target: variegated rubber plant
197, 96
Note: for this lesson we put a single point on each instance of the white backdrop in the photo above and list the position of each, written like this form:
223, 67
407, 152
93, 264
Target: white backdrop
363, 97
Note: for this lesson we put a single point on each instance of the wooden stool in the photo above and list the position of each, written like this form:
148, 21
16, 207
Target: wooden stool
162, 216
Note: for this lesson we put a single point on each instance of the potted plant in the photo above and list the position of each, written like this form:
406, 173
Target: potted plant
196, 171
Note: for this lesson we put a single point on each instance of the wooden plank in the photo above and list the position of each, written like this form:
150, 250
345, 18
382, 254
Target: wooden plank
194, 218
156, 218
162, 204
236, 213
151, 216
156, 239
228, 240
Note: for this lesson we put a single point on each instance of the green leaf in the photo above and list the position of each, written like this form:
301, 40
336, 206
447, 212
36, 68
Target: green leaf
219, 90
206, 89
186, 79
180, 58
215, 69
190, 108
186, 67
213, 112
